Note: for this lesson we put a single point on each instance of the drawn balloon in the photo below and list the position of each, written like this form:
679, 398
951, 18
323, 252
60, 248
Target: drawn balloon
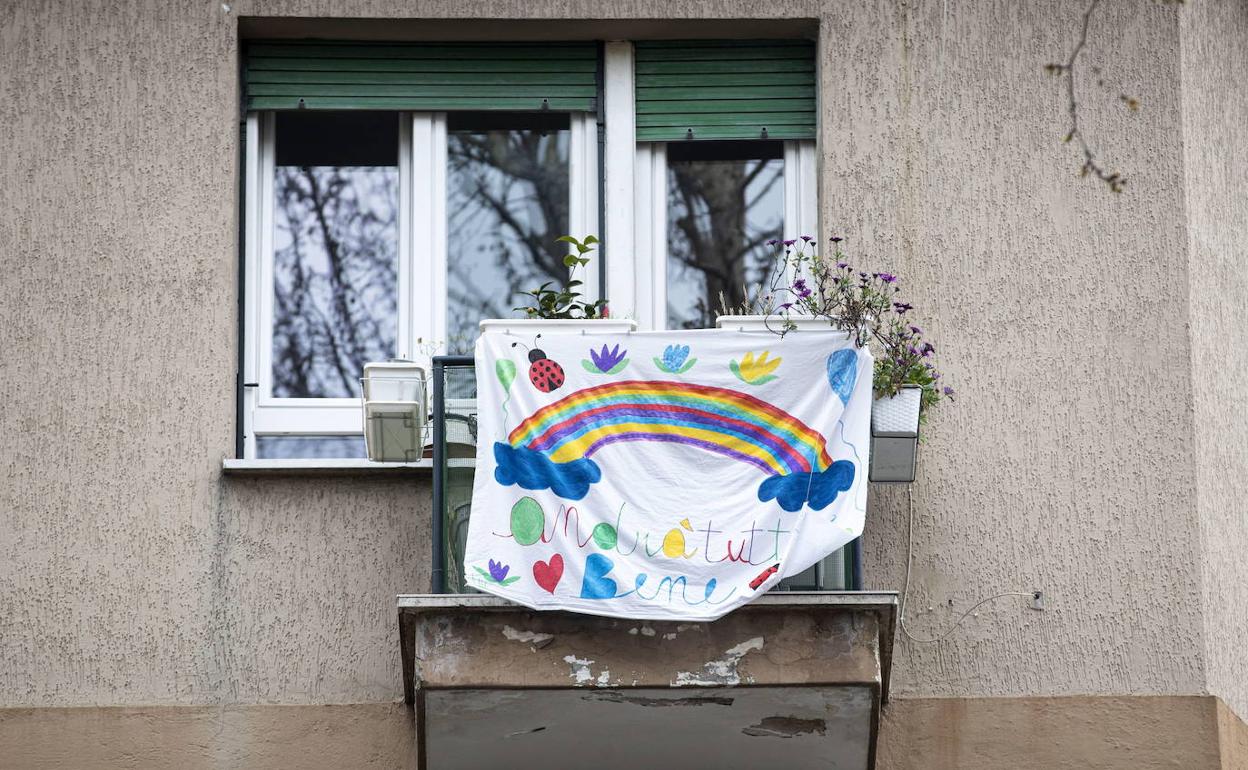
843, 373
505, 369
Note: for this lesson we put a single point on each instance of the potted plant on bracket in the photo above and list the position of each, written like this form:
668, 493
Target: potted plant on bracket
808, 292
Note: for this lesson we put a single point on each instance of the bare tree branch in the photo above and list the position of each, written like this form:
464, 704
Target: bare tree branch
1067, 70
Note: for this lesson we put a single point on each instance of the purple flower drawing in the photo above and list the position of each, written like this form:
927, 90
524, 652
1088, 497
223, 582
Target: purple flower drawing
606, 361
498, 573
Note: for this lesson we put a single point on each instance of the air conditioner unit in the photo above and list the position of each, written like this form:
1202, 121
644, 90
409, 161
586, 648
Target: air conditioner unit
394, 411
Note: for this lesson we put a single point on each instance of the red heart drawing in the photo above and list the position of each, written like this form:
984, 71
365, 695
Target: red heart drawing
547, 575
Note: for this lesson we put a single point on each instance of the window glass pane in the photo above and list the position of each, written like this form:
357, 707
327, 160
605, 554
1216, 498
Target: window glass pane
507, 189
309, 447
335, 250
725, 200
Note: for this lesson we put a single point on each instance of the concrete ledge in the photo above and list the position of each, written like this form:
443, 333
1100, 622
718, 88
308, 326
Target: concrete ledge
496, 681
781, 639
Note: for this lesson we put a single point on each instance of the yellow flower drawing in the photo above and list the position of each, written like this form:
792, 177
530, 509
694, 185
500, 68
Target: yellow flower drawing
753, 371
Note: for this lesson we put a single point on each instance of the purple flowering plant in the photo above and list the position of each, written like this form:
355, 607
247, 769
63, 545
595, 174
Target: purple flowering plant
868, 305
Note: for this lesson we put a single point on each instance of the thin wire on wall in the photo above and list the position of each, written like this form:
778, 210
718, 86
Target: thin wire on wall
905, 592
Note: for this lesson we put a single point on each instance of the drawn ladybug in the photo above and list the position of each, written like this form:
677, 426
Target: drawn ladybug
545, 374
762, 578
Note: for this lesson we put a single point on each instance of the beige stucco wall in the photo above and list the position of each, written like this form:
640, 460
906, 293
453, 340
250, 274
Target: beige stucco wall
132, 572
1215, 133
1066, 464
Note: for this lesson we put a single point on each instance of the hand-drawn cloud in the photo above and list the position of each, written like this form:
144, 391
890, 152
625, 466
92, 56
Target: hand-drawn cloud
531, 469
816, 489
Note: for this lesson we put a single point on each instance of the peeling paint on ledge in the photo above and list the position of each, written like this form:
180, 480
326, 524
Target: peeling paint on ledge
581, 673
786, 727
537, 640
722, 672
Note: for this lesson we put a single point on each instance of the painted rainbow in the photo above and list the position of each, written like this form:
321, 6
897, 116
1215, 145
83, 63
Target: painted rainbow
717, 420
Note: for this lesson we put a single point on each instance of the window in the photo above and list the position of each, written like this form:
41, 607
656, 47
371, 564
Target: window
398, 193
507, 202
335, 250
725, 162
384, 234
724, 202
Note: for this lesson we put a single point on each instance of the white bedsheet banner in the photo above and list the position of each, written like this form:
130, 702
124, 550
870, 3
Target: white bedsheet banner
663, 475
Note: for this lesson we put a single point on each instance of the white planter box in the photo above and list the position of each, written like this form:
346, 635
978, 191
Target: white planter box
775, 324
897, 415
532, 326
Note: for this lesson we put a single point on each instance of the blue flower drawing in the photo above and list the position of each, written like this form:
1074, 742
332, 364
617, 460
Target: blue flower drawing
674, 359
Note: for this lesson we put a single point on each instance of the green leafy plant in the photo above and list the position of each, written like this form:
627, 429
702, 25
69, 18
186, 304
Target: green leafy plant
566, 301
867, 305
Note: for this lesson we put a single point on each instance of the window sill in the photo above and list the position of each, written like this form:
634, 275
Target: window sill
324, 467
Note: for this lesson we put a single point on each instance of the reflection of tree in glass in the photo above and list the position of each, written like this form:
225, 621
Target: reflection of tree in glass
720, 216
508, 202
335, 277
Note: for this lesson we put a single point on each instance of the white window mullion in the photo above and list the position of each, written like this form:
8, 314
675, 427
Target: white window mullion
650, 207
621, 147
801, 207
427, 214
404, 340
808, 160
437, 278
583, 193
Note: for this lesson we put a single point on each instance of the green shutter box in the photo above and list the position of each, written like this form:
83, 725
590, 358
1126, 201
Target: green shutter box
319, 75
725, 89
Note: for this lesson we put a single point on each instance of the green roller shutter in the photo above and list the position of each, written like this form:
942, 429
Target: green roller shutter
288, 75
725, 89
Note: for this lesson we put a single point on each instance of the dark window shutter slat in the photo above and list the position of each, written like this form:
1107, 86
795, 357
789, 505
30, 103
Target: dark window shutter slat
725, 89
523, 77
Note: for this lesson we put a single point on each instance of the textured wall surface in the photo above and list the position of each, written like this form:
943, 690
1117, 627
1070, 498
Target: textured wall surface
1215, 134
1060, 310
132, 572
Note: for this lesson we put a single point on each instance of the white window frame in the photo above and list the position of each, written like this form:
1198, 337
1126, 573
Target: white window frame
422, 257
